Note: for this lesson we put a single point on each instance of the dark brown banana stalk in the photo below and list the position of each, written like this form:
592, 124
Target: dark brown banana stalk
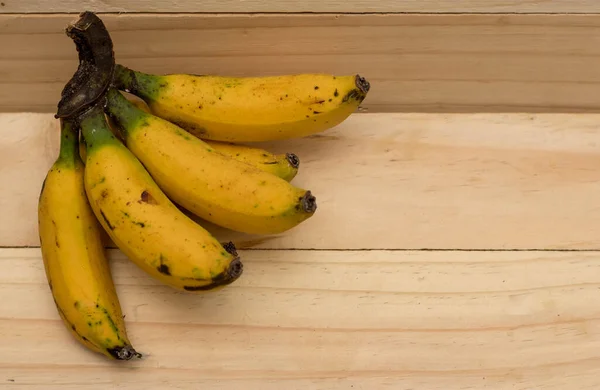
96, 66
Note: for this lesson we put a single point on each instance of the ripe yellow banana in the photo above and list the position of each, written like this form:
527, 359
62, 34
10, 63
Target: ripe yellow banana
144, 223
76, 268
211, 185
284, 165
247, 109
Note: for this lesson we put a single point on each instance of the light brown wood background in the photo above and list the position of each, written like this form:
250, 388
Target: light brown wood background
457, 240
416, 63
336, 6
448, 252
394, 181
326, 320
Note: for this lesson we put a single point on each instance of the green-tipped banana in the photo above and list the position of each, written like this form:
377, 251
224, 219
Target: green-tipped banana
77, 270
284, 165
247, 109
144, 223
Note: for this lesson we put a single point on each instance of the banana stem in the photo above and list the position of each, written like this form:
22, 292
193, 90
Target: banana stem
122, 111
95, 129
124, 79
144, 85
69, 142
96, 66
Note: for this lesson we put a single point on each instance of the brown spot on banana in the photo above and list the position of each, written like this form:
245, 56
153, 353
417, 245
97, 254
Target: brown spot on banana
163, 268
110, 226
55, 234
145, 197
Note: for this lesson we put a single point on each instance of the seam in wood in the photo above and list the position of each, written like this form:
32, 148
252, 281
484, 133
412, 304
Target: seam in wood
499, 293
380, 249
242, 248
501, 371
287, 375
328, 329
296, 13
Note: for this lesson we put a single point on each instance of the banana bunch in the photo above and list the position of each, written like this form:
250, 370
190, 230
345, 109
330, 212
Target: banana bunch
128, 166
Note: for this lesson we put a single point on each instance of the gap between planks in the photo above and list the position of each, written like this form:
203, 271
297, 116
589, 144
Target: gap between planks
318, 6
379, 249
74, 14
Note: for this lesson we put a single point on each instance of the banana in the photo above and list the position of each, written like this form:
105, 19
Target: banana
148, 228
284, 165
76, 268
247, 109
211, 185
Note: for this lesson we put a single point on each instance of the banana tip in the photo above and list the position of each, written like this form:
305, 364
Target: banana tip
124, 353
309, 202
230, 247
362, 84
293, 160
235, 270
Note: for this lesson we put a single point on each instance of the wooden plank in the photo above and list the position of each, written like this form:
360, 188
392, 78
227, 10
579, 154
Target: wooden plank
327, 320
416, 63
392, 181
351, 6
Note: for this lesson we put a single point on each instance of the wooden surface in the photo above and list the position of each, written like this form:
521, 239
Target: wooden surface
433, 6
416, 63
393, 181
326, 320
505, 297
450, 251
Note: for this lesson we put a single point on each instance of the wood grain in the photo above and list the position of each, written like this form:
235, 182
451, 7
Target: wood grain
416, 63
352, 6
392, 181
326, 320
